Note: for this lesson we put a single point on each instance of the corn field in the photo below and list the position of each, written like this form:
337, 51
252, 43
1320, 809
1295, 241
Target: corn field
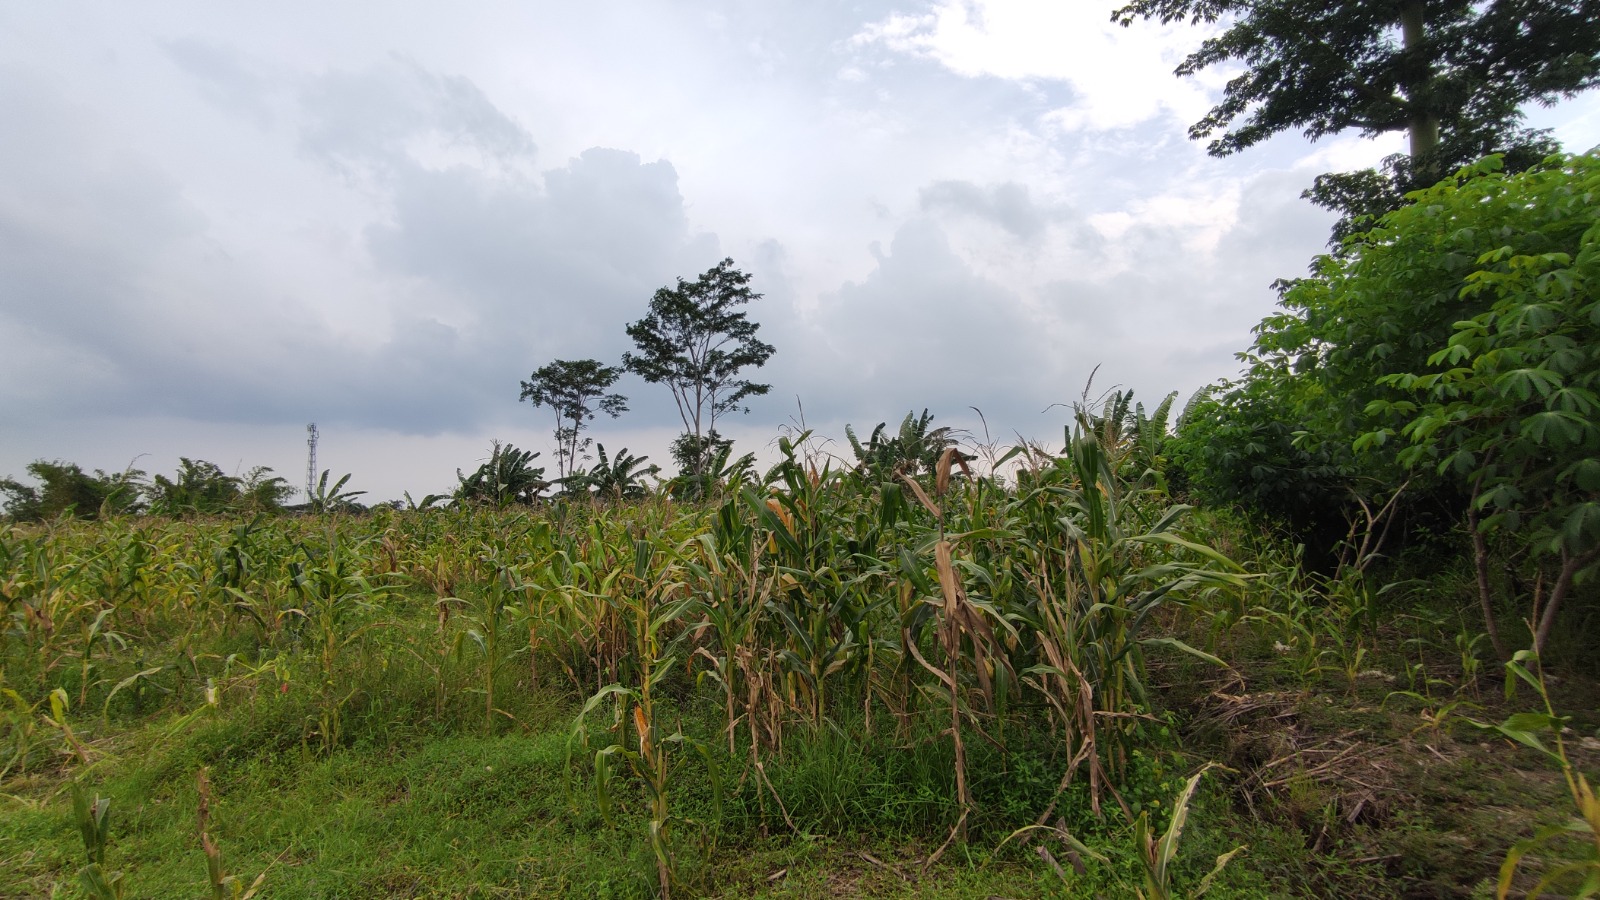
948, 603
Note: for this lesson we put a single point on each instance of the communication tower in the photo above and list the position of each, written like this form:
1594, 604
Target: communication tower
311, 461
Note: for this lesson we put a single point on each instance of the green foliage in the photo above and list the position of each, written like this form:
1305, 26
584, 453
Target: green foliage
202, 488
1455, 80
1236, 446
1464, 323
1507, 404
913, 450
574, 390
696, 340
1123, 422
1532, 729
506, 478
1365, 196
1446, 355
326, 499
261, 491
1157, 856
711, 456
64, 489
199, 488
622, 478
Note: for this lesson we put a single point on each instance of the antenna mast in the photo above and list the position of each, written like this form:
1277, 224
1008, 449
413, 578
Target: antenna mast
311, 461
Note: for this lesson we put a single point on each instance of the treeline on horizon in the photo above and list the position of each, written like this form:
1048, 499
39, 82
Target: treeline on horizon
507, 478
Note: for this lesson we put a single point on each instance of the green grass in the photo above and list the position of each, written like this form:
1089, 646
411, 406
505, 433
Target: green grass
463, 815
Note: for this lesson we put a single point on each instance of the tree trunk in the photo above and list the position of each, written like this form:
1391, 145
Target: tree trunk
1423, 123
1570, 567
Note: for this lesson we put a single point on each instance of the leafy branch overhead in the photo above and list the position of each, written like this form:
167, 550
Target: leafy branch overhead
1452, 74
696, 339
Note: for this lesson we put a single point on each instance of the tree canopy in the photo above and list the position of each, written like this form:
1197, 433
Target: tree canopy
575, 390
696, 339
1453, 75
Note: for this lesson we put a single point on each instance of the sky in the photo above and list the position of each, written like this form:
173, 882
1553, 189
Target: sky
220, 222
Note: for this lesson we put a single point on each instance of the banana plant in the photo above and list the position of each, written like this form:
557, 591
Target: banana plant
325, 499
507, 477
616, 479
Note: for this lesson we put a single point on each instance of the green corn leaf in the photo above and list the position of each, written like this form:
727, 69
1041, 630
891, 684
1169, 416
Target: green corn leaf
1176, 644
105, 709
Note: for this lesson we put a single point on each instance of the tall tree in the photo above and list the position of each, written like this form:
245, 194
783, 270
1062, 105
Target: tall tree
574, 390
697, 340
1452, 74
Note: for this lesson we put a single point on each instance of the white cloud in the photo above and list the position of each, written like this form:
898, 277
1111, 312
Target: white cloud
221, 222
1119, 77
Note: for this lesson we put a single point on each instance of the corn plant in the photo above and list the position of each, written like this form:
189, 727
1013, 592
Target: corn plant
1102, 557
658, 611
21, 724
93, 819
732, 609
818, 593
1469, 649
59, 720
223, 885
488, 621
1581, 870
1344, 622
96, 632
586, 629
1156, 856
234, 568
336, 598
42, 601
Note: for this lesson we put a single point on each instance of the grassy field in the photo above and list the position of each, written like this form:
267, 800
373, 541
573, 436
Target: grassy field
869, 682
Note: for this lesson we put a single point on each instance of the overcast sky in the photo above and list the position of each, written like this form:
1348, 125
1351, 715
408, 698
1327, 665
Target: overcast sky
219, 222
